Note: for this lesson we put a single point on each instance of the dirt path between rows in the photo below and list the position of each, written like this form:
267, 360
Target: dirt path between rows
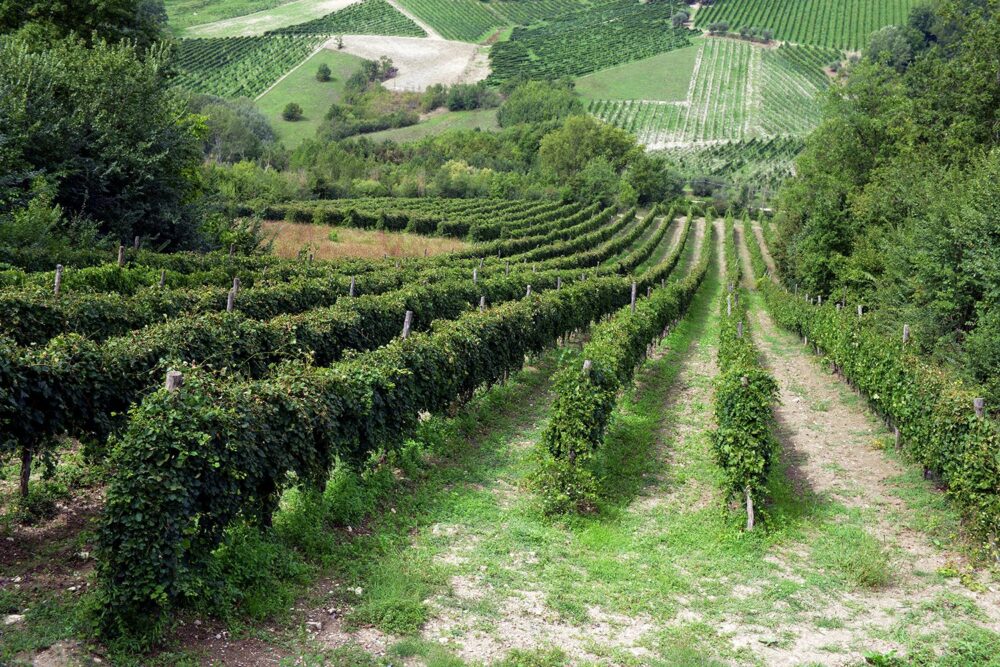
828, 440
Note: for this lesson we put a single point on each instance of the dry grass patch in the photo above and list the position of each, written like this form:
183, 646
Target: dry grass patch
292, 238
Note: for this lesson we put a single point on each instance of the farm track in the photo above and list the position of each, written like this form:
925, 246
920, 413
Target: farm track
827, 441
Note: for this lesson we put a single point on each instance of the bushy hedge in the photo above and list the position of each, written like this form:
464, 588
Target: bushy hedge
585, 397
193, 461
745, 393
85, 388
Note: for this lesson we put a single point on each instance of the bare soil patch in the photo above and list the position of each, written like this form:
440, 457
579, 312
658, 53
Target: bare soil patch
421, 62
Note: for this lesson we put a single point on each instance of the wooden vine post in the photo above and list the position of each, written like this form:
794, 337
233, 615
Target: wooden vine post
232, 249
906, 334
482, 303
58, 282
407, 323
174, 380
230, 301
121, 255
558, 282
633, 295
236, 286
739, 329
136, 243
350, 290
729, 305
861, 310
979, 405
163, 278
528, 293
475, 276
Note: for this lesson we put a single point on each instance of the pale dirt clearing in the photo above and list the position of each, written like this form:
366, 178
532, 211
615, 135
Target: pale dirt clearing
258, 23
421, 62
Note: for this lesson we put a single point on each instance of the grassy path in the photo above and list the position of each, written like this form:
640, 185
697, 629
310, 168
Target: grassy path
882, 532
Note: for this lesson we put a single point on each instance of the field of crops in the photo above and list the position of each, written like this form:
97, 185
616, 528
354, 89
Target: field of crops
737, 92
759, 165
240, 66
549, 269
522, 12
370, 17
841, 24
463, 20
608, 34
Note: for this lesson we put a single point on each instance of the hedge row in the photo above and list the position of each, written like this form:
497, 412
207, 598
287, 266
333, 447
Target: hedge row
194, 461
585, 397
34, 316
932, 409
417, 220
745, 394
581, 222
84, 388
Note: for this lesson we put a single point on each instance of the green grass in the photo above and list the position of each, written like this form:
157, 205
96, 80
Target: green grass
314, 96
259, 17
664, 77
484, 119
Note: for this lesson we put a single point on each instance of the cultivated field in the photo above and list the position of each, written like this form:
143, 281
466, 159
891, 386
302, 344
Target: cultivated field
737, 91
840, 24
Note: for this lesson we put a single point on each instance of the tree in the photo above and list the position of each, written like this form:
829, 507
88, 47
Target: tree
340, 42
538, 102
236, 129
718, 28
46, 21
323, 73
679, 19
566, 150
102, 126
292, 112
894, 46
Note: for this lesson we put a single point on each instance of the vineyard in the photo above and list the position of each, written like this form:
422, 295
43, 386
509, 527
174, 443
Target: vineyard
209, 387
840, 24
369, 17
463, 20
239, 66
759, 164
737, 92
609, 34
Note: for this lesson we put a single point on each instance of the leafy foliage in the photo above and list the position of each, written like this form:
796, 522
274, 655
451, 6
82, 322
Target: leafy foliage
932, 409
585, 398
895, 191
745, 392
102, 128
